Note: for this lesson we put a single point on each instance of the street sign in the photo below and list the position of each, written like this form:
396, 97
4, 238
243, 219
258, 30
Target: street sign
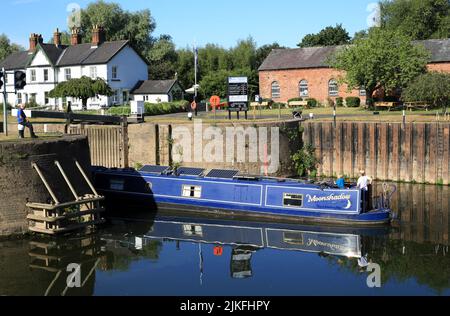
237, 94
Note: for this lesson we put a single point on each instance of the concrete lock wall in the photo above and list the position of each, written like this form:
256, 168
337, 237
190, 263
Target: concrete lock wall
416, 152
209, 146
20, 183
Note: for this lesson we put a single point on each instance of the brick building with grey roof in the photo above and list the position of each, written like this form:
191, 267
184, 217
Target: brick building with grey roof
303, 72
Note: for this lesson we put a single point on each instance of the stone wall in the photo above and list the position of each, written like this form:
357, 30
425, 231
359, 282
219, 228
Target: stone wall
209, 146
417, 152
19, 182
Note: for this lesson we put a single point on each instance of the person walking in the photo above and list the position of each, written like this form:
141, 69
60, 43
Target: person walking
23, 122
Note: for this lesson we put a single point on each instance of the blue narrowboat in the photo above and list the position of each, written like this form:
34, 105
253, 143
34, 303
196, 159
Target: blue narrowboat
230, 193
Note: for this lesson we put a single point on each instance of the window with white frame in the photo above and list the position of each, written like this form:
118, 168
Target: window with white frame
93, 72
6, 79
19, 98
46, 99
276, 90
33, 75
68, 74
192, 191
333, 88
45, 74
115, 74
115, 97
303, 88
64, 102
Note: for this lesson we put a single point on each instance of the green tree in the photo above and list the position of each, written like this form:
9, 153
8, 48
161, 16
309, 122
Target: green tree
216, 83
244, 54
83, 89
264, 51
119, 24
432, 87
6, 47
185, 67
163, 59
329, 36
384, 60
419, 19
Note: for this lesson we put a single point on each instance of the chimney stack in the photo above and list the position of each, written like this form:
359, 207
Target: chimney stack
98, 35
57, 37
35, 39
76, 37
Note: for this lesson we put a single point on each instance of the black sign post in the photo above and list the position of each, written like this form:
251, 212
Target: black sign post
237, 95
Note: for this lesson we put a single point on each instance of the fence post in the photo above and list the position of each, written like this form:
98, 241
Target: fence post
124, 126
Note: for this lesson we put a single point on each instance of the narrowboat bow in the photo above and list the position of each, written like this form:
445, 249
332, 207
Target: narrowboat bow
230, 193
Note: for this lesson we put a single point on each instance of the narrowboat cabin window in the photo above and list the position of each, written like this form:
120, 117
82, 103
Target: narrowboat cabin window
192, 191
293, 200
117, 185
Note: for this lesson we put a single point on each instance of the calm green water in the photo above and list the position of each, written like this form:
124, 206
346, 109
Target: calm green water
162, 254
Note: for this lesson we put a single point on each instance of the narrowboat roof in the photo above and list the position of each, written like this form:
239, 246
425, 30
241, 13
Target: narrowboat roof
213, 175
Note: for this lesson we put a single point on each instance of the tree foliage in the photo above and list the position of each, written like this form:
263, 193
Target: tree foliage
329, 36
384, 60
163, 59
119, 24
419, 19
83, 88
6, 47
432, 87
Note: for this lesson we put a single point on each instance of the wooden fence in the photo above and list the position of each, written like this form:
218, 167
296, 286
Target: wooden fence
108, 144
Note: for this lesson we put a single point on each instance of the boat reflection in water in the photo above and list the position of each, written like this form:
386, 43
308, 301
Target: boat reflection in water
246, 238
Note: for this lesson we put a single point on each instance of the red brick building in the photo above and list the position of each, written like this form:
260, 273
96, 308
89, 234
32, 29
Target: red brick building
303, 72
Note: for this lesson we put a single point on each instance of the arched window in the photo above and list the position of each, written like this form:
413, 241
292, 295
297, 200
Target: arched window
333, 89
303, 88
276, 91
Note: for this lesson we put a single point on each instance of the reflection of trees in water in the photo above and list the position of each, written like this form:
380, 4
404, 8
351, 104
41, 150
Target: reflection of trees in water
124, 253
399, 260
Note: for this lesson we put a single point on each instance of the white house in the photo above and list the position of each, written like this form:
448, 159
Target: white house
46, 65
156, 91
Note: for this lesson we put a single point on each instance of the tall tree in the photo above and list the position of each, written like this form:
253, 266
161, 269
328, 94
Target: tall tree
6, 47
244, 54
83, 88
385, 60
119, 24
185, 67
163, 59
329, 36
419, 19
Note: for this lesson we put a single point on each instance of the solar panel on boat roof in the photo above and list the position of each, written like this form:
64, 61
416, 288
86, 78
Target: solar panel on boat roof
154, 169
222, 174
185, 171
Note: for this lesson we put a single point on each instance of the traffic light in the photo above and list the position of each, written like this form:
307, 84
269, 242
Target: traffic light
20, 79
1, 81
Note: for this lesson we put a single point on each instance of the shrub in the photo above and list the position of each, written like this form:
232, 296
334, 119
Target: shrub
353, 102
339, 102
278, 104
295, 99
305, 161
432, 87
312, 103
119, 110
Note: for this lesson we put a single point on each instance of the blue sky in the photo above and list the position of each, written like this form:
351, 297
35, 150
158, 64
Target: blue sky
205, 21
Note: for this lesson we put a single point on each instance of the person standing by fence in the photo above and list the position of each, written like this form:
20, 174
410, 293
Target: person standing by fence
23, 122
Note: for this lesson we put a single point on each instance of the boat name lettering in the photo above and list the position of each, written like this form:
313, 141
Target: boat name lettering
332, 197
335, 247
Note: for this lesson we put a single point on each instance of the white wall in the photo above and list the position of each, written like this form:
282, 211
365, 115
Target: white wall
151, 98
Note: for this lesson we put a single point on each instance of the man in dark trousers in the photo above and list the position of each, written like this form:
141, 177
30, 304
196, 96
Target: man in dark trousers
23, 120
